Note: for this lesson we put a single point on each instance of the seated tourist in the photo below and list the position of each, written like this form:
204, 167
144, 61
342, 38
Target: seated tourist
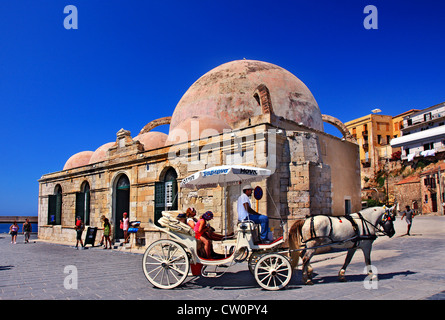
204, 232
190, 216
181, 218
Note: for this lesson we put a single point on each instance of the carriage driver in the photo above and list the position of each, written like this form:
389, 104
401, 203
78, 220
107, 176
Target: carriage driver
245, 212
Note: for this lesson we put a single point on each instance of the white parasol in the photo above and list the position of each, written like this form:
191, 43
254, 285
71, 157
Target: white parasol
223, 176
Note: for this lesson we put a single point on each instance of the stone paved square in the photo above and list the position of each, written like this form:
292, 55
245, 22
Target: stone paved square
409, 268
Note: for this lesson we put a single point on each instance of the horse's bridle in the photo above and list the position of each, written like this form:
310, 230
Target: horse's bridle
380, 228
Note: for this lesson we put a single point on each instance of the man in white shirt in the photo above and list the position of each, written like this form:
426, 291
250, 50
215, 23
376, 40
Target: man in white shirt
245, 212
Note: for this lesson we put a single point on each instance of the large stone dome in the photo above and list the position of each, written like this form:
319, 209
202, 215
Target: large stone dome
101, 153
228, 93
151, 140
78, 160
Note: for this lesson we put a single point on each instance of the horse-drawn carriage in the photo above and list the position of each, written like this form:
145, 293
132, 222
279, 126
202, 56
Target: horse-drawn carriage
168, 262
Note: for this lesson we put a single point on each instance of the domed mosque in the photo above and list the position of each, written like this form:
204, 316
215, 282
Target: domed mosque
243, 89
241, 112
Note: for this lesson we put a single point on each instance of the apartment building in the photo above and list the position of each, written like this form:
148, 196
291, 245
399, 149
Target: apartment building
423, 134
371, 132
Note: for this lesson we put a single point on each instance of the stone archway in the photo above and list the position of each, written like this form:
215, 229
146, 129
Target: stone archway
340, 126
153, 124
121, 199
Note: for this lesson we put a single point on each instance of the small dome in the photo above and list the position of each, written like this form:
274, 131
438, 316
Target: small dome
78, 160
228, 93
196, 127
101, 153
151, 140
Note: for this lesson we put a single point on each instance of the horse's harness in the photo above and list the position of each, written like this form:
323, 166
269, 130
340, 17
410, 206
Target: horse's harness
356, 239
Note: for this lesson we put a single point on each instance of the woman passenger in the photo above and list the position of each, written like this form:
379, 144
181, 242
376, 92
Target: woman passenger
190, 215
201, 229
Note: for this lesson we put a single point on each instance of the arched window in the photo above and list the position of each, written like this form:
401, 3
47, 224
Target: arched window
83, 203
55, 206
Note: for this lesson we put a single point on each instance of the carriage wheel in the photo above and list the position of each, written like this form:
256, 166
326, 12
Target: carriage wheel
273, 271
253, 260
166, 264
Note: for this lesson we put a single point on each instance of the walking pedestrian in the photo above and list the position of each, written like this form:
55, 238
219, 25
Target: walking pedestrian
408, 214
79, 229
125, 223
27, 229
13, 230
107, 230
102, 219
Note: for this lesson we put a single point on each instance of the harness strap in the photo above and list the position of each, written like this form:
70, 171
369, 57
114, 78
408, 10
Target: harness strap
313, 233
330, 232
364, 225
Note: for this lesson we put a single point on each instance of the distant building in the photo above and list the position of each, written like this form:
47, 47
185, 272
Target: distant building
407, 192
423, 134
371, 132
432, 189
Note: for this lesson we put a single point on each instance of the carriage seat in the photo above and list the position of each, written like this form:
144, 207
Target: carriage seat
252, 227
168, 220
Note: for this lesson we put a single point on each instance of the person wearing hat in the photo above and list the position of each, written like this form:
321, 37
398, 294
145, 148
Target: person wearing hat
245, 213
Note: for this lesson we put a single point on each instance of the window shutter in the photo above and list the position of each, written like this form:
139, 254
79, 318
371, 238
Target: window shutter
174, 195
80, 206
159, 201
52, 203
87, 207
59, 208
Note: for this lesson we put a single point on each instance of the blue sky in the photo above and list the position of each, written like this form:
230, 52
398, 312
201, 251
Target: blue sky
129, 62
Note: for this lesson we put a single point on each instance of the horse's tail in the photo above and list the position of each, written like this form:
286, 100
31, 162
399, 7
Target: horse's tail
295, 242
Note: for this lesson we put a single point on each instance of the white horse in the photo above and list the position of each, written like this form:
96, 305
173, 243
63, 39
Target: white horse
358, 230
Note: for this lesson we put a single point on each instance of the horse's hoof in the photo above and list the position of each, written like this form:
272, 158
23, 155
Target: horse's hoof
309, 283
341, 275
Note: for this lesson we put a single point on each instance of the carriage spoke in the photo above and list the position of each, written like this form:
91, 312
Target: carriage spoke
158, 268
157, 258
178, 270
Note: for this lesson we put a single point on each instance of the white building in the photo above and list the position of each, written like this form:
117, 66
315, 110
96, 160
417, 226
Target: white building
423, 134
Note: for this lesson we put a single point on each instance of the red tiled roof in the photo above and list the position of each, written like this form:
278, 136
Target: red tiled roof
434, 169
410, 179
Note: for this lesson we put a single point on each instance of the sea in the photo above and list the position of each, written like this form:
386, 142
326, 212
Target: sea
4, 227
